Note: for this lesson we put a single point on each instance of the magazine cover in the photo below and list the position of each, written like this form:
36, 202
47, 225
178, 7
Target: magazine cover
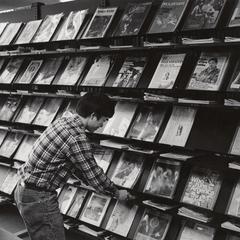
11, 70
130, 72
28, 32
202, 188
234, 83
163, 178
77, 203
29, 110
204, 14
72, 25
119, 123
48, 71
197, 232
48, 111
103, 158
128, 170
168, 16
30, 72
235, 147
153, 226
10, 144
99, 23
10, 106
72, 72
10, 182
235, 19
47, 28
234, 201
147, 123
209, 71
25, 148
3, 134
99, 71
132, 19
65, 198
2, 61
121, 218
167, 71
95, 209
3, 25
179, 126
9, 33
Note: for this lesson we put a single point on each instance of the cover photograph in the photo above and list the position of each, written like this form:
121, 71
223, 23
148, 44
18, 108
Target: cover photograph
128, 170
48, 71
99, 23
103, 158
121, 218
167, 71
235, 18
10, 182
204, 14
9, 33
168, 16
95, 209
72, 72
209, 71
130, 72
234, 201
147, 123
47, 28
179, 126
202, 188
163, 178
11, 70
153, 226
72, 25
132, 19
29, 110
28, 32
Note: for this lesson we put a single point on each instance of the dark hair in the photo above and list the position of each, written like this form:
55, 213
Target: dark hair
97, 103
213, 59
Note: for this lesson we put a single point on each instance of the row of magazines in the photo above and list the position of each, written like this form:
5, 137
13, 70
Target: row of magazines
212, 71
78, 24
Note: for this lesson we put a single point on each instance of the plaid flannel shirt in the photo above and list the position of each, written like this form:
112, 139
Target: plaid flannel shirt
63, 149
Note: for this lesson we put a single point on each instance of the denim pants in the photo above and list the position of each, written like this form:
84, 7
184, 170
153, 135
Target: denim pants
40, 212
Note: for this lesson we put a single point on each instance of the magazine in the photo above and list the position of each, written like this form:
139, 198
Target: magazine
3, 25
72, 72
234, 84
47, 28
3, 134
204, 14
130, 72
11, 70
168, 16
9, 33
28, 32
95, 209
29, 110
202, 188
72, 25
30, 72
104, 158
234, 201
235, 148
179, 126
48, 71
147, 123
128, 170
163, 178
99, 23
132, 19
167, 71
153, 226
119, 123
235, 19
209, 71
70, 109
10, 182
121, 218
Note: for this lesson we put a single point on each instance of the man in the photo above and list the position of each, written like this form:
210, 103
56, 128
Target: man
62, 150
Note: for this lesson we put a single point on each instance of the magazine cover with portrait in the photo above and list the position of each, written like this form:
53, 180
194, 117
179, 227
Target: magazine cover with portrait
153, 225
168, 16
121, 218
163, 178
147, 123
99, 23
10, 33
235, 18
132, 19
234, 201
204, 14
209, 71
128, 170
202, 188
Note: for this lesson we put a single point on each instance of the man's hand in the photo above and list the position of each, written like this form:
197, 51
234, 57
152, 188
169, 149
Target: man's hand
124, 195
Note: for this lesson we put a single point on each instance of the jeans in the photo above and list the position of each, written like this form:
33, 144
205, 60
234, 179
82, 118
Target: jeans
40, 212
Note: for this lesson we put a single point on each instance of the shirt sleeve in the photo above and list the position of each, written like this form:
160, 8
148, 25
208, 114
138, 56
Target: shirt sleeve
80, 154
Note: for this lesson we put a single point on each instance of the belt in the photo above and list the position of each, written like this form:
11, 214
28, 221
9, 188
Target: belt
32, 186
